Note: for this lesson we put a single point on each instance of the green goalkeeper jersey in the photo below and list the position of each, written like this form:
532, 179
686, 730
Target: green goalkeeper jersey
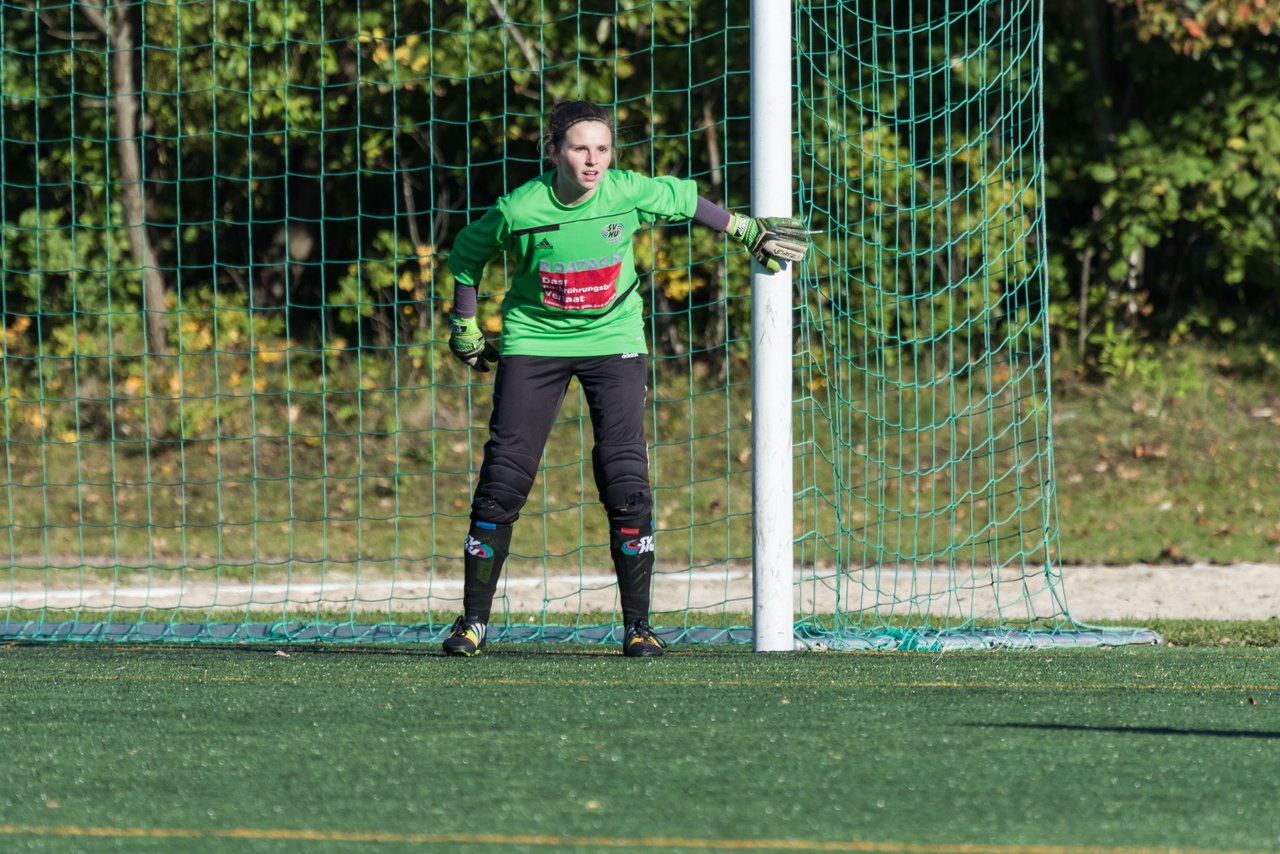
574, 291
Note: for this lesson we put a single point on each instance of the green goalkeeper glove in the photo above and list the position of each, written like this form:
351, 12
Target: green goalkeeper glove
468, 344
771, 240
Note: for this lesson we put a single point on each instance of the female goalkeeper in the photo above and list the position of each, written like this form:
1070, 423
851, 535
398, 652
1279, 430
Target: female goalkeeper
574, 310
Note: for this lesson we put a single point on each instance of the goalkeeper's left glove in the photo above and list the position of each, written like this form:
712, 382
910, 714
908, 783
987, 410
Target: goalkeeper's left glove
771, 240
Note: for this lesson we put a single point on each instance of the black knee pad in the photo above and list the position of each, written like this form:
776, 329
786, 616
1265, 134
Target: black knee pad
622, 478
505, 481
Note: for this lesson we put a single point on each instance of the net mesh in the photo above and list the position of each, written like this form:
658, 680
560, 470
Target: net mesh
229, 413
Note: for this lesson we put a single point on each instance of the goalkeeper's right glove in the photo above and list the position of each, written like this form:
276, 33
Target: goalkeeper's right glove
468, 344
771, 240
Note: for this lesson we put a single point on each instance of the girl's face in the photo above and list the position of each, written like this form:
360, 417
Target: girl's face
581, 160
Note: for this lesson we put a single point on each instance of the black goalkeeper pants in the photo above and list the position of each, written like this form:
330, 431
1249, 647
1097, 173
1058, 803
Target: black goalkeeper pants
527, 396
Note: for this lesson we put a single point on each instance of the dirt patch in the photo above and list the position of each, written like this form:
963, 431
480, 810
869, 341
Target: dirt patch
1243, 591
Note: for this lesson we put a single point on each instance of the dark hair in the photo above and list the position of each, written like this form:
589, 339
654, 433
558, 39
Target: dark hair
566, 114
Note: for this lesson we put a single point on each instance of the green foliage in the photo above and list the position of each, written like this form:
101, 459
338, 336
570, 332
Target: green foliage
305, 173
1194, 26
1167, 190
1163, 139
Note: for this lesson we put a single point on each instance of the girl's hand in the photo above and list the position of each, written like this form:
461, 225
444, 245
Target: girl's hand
771, 240
467, 343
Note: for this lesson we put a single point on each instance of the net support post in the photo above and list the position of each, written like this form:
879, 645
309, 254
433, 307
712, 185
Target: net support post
771, 362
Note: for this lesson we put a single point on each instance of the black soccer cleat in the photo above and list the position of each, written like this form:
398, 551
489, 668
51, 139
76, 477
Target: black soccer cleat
465, 638
639, 641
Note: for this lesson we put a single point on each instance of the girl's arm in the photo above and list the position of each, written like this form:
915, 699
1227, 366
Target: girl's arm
770, 240
472, 249
464, 299
474, 246
712, 215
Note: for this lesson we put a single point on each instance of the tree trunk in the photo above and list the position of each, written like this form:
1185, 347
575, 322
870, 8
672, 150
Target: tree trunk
120, 30
716, 297
1082, 334
1095, 38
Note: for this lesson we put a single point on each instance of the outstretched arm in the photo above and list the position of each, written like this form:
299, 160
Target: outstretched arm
712, 215
770, 240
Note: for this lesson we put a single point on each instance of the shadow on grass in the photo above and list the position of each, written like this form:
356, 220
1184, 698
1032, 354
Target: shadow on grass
1138, 730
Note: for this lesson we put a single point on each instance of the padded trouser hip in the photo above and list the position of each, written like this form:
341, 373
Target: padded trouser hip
528, 393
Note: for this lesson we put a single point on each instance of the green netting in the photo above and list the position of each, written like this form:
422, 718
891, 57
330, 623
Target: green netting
926, 456
229, 413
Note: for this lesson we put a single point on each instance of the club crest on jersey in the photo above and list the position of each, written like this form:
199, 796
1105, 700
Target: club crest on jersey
613, 232
638, 546
475, 548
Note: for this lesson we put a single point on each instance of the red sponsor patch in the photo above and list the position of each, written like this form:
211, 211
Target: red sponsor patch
582, 290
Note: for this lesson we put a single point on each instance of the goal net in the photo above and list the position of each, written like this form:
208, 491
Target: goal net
229, 414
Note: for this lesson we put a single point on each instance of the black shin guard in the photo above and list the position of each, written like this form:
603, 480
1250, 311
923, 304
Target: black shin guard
484, 553
633, 556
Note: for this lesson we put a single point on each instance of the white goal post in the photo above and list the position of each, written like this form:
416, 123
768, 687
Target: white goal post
772, 487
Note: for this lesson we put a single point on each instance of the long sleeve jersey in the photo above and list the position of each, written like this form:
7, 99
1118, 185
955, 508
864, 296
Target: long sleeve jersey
574, 290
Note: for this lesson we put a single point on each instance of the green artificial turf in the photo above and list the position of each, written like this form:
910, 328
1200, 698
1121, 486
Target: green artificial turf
578, 749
